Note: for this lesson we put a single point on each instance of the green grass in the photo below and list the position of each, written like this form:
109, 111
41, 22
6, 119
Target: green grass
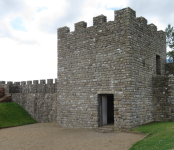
12, 114
160, 137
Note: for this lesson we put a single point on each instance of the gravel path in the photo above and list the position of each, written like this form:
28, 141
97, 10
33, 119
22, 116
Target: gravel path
47, 136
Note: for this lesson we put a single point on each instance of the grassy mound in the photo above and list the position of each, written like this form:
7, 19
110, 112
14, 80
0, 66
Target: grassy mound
160, 137
12, 114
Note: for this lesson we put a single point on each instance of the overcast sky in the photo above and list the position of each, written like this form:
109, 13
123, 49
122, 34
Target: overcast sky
28, 30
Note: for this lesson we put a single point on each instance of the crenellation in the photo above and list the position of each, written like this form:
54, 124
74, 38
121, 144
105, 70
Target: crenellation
99, 20
9, 82
17, 83
125, 14
141, 20
80, 26
62, 31
49, 81
24, 87
162, 35
42, 81
2, 83
152, 28
50, 87
23, 82
29, 82
35, 82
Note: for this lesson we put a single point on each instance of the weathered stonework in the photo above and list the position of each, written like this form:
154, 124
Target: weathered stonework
124, 58
39, 100
116, 57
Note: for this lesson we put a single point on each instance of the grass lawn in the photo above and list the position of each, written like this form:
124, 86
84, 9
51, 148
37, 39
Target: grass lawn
12, 114
160, 137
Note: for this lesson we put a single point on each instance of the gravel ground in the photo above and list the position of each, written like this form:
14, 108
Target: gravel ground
47, 136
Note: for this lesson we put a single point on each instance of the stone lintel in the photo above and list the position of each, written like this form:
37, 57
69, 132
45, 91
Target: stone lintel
105, 92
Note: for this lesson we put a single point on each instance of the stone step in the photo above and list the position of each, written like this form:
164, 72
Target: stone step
105, 129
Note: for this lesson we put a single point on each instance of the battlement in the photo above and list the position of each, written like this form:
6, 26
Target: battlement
122, 17
30, 87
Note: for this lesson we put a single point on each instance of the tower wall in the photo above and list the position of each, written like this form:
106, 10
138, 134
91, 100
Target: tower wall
117, 57
94, 60
146, 43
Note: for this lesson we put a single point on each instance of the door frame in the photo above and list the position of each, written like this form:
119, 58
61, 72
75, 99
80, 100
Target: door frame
100, 113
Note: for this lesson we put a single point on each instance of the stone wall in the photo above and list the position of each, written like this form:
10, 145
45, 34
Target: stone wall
146, 43
39, 100
117, 57
169, 68
163, 98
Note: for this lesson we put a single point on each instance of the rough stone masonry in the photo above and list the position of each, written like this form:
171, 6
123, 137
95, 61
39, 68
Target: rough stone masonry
125, 58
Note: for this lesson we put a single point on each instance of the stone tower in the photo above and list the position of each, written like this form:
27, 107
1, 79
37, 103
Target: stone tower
105, 71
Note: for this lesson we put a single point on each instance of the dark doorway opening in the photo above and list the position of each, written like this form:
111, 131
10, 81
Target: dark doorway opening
106, 109
110, 109
158, 65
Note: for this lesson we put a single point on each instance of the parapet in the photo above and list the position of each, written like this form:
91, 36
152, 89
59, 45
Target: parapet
150, 28
35, 87
124, 16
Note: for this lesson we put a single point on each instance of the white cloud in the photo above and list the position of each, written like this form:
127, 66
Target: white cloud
33, 54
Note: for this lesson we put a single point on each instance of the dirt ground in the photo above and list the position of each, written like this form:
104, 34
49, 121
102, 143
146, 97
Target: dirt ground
47, 136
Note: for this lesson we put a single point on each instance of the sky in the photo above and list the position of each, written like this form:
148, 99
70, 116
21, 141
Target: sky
28, 30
